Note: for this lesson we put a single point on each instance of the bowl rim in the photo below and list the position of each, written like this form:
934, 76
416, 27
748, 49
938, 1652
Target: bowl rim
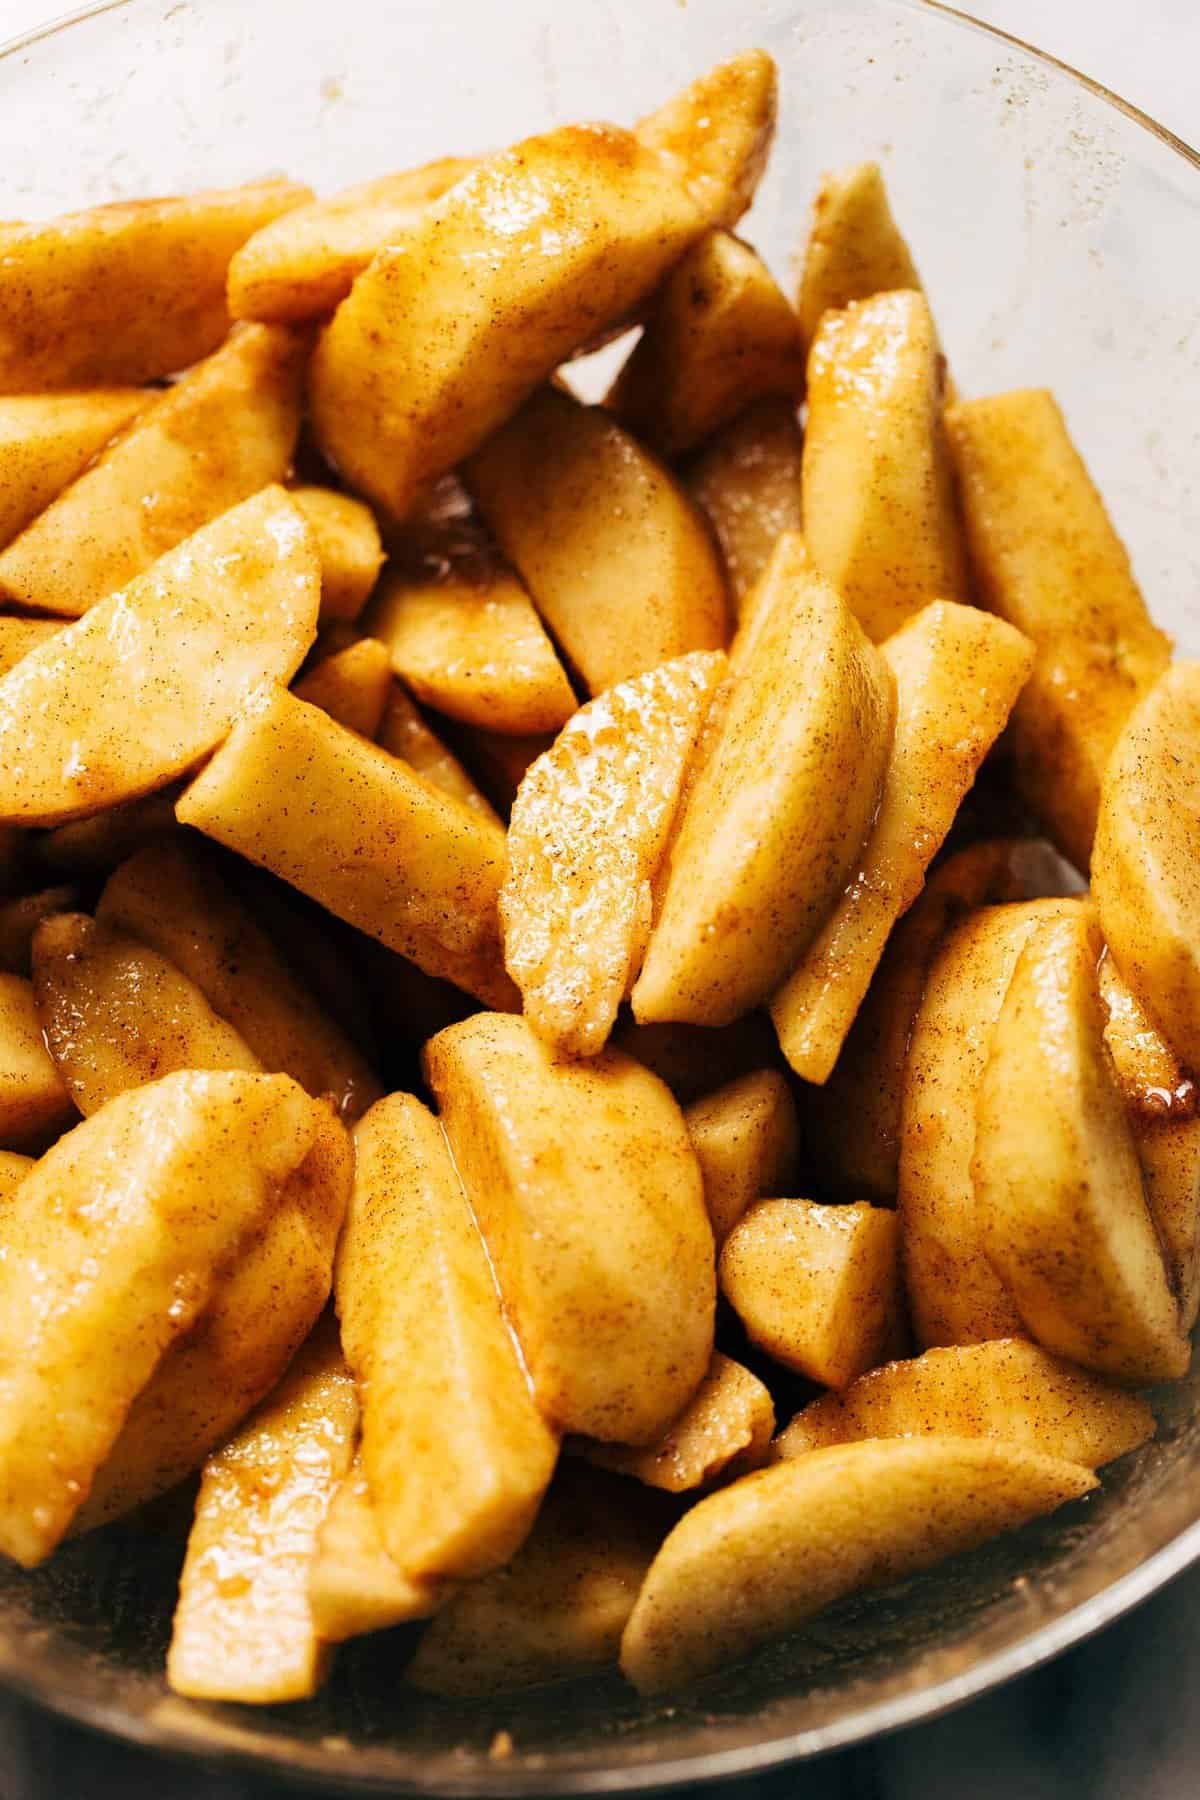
314, 1765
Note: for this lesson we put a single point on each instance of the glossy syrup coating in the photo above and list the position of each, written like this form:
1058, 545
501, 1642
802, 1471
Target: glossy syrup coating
126, 292
227, 429
589, 827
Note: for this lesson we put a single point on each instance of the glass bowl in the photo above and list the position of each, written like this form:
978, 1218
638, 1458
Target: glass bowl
1058, 231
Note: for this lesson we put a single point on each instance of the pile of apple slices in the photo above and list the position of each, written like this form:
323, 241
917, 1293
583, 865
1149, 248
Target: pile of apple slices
560, 880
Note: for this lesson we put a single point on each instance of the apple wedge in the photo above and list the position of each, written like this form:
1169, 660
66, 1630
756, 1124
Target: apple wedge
175, 899
855, 1117
454, 1450
717, 133
1048, 559
119, 1239
879, 510
778, 812
747, 1142
267, 1302
1164, 1113
746, 481
725, 1426
958, 672
348, 545
1147, 837
244, 1628
560, 1606
116, 1015
617, 559
46, 440
817, 1287
160, 480
151, 679
300, 265
589, 1197
1005, 1389
720, 335
125, 292
855, 248
589, 828
353, 1585
758, 1559
354, 686
405, 733
462, 632
1058, 1187
34, 1102
406, 864
955, 1294
499, 281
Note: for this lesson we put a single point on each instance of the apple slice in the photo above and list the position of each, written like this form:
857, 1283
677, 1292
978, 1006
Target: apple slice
1058, 1186
1006, 1389
589, 1197
589, 828
756, 1560
150, 680
777, 814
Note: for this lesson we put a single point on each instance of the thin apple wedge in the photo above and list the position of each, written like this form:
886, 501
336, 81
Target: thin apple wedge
955, 1294
1006, 1389
18, 636
348, 545
726, 1425
720, 335
855, 248
617, 559
462, 632
747, 484
879, 511
46, 440
354, 686
353, 1585
776, 817
1147, 839
20, 918
1058, 1187
1164, 1111
589, 1197
174, 898
244, 1628
747, 1142
589, 828
817, 1286
958, 672
560, 1606
300, 265
855, 1117
406, 864
151, 679
13, 1169
263, 1309
128, 292
758, 1559
1048, 559
718, 132
116, 1015
119, 1238
160, 480
454, 1450
406, 733
499, 283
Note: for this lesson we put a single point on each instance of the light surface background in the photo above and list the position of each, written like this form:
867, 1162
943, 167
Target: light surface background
1148, 52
